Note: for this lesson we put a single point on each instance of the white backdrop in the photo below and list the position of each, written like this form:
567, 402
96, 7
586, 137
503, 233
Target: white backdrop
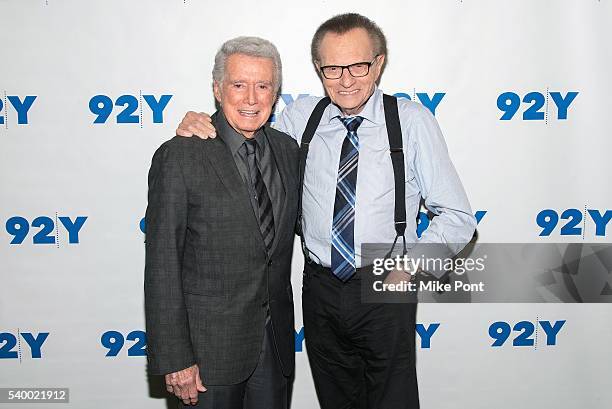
57, 165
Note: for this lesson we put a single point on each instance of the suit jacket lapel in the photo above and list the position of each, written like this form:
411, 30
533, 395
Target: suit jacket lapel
222, 161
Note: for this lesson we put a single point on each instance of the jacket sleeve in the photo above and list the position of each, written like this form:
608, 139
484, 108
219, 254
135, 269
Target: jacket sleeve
169, 346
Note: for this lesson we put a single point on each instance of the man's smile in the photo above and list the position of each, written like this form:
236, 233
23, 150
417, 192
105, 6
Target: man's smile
248, 113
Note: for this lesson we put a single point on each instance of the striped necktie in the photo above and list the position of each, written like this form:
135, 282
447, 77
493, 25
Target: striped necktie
343, 225
264, 204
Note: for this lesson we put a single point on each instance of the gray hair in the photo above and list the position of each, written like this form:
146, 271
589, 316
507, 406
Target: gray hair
343, 23
251, 46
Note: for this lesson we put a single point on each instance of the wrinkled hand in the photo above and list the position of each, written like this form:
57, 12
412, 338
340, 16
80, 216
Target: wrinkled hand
198, 124
185, 384
398, 276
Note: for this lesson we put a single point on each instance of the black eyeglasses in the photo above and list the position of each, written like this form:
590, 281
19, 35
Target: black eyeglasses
359, 69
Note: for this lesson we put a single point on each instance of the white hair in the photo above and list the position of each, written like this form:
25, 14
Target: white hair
251, 46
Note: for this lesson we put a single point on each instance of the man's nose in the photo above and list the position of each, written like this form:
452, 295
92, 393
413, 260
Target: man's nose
251, 96
346, 80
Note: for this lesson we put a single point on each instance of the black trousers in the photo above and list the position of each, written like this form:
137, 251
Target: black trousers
361, 355
266, 388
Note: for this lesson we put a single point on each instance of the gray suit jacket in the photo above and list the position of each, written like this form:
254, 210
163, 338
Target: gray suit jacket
208, 278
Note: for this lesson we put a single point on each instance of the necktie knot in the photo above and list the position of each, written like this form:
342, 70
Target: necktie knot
352, 123
250, 145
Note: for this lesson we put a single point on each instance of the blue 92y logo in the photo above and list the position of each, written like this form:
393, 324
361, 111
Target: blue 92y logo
43, 229
430, 102
572, 222
130, 112
423, 220
114, 341
20, 105
424, 332
501, 332
32, 342
534, 104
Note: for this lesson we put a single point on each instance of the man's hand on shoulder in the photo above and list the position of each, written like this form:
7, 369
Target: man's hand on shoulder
198, 124
185, 384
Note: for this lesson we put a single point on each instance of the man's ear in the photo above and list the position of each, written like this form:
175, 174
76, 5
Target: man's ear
379, 65
217, 91
381, 60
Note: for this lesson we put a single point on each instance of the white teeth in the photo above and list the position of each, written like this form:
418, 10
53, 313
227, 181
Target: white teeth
249, 113
347, 92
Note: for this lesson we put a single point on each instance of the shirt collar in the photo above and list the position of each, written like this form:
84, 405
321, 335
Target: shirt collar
233, 139
373, 110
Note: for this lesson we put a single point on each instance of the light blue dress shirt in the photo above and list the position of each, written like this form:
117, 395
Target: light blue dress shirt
430, 174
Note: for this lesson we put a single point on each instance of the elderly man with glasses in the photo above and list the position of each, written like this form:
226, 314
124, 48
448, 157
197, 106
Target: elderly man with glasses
367, 160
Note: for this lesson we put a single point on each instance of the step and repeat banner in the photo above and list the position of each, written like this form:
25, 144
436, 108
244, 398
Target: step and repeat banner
89, 90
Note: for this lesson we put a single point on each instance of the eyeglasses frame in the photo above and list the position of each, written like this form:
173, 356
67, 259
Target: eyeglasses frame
348, 67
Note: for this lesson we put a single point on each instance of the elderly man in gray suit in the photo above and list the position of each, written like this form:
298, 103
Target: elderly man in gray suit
220, 224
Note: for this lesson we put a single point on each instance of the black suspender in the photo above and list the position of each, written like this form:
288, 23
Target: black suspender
311, 127
394, 133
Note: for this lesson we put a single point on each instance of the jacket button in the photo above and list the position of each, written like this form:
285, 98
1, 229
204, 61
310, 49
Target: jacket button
269, 262
264, 304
